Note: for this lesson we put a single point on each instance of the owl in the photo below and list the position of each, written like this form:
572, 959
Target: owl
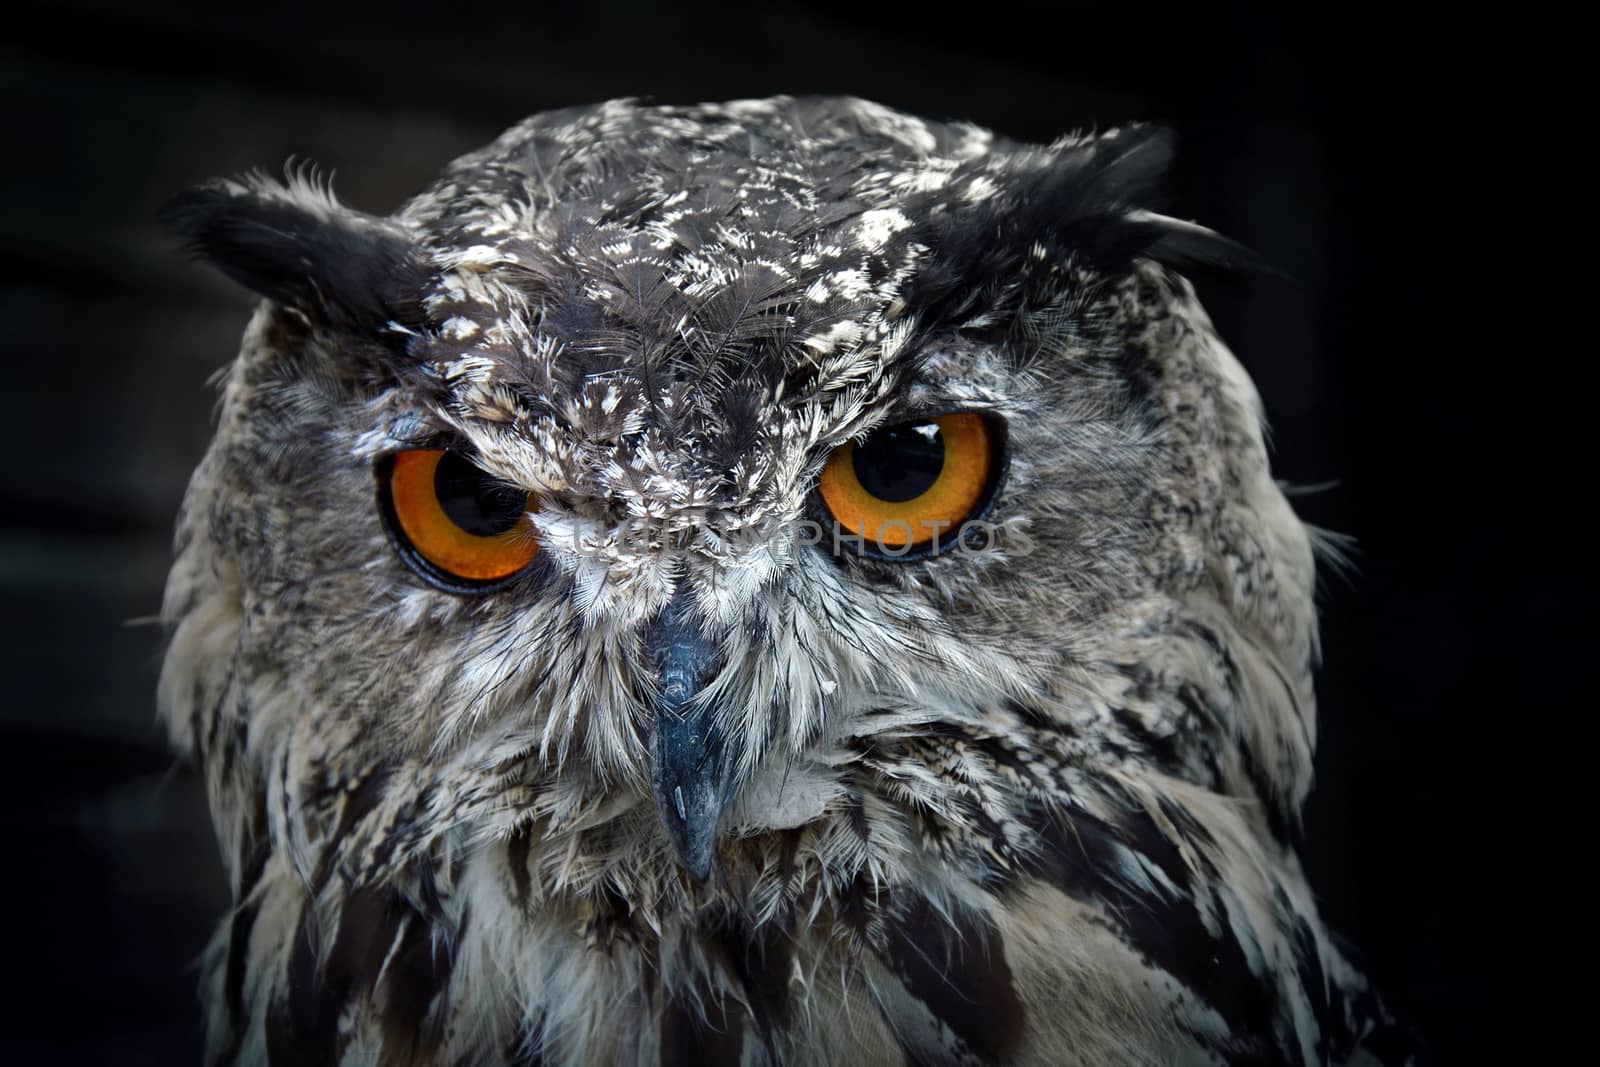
775, 582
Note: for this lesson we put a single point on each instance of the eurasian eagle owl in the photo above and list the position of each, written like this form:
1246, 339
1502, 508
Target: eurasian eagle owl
772, 582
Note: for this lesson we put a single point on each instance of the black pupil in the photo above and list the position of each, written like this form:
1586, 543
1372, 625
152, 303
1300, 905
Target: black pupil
473, 500
901, 462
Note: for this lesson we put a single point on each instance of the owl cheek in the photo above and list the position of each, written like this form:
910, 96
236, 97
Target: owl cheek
689, 760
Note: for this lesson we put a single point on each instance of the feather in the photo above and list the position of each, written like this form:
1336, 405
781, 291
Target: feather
295, 244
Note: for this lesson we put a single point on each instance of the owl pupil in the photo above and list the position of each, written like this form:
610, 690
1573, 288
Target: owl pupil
901, 462
473, 500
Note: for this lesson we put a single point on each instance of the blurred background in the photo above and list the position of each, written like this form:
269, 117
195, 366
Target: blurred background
1335, 148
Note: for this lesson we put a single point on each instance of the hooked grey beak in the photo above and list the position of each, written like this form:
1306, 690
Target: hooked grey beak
688, 761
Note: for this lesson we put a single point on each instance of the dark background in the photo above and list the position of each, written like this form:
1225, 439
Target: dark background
1360, 155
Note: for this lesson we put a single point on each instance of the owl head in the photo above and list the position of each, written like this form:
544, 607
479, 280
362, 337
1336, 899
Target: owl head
654, 460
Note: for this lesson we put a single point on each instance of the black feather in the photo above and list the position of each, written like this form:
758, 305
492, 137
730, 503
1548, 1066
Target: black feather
343, 268
956, 966
1095, 204
1084, 858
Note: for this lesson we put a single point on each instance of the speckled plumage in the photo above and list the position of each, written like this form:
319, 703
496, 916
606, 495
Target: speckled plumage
1030, 803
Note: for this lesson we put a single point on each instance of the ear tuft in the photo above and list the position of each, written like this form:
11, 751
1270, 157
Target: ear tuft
1184, 245
295, 244
1093, 199
1101, 197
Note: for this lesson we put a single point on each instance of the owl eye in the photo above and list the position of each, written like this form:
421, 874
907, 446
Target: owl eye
455, 524
907, 489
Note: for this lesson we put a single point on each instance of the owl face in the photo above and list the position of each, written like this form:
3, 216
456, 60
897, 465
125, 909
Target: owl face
652, 454
771, 582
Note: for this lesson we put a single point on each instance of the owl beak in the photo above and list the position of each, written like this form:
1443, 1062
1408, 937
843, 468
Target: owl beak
688, 758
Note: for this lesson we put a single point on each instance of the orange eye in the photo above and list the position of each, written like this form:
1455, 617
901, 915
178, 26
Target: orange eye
910, 487
459, 519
